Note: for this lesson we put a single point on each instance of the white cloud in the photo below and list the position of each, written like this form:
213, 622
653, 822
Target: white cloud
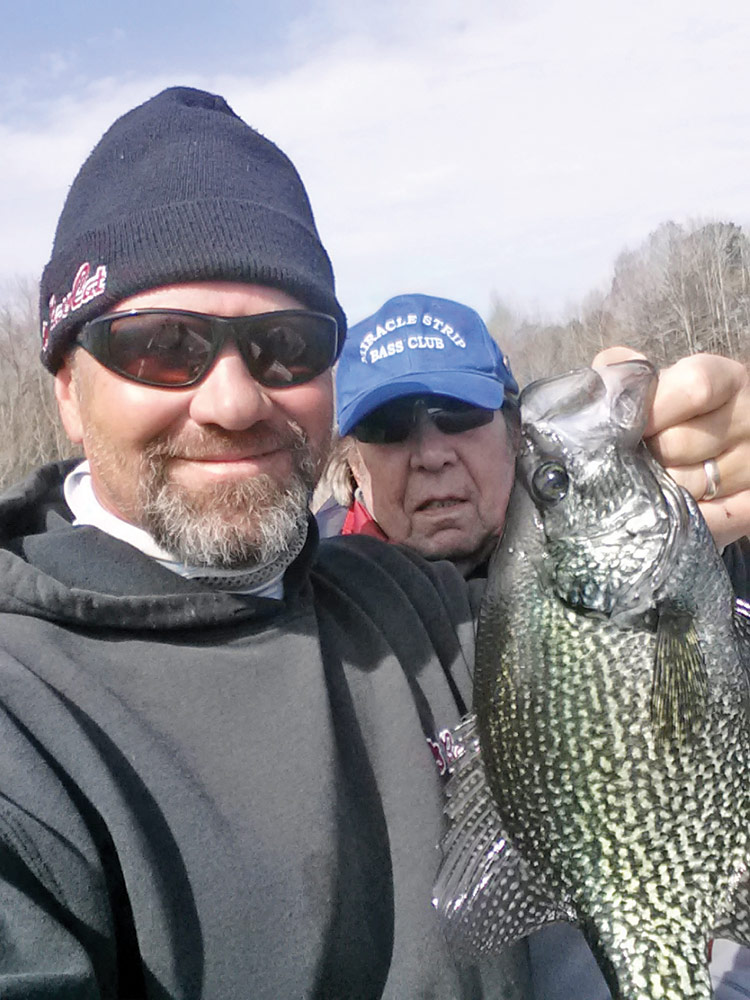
514, 148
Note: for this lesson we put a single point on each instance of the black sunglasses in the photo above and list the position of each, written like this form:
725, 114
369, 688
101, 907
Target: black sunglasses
393, 422
172, 348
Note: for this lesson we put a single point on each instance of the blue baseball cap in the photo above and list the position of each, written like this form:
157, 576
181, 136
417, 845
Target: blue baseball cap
416, 345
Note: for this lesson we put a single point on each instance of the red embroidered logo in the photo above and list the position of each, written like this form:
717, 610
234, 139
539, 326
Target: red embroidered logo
85, 288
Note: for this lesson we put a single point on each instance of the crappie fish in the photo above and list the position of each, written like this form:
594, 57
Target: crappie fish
605, 777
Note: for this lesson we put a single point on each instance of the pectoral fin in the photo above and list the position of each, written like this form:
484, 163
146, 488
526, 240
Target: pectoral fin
679, 694
484, 892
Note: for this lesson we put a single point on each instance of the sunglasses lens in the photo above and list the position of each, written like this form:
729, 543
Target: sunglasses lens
287, 348
389, 424
160, 349
455, 416
176, 349
394, 422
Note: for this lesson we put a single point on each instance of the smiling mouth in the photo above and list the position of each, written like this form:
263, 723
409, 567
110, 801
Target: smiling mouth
230, 457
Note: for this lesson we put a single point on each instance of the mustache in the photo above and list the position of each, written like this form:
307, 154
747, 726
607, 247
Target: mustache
212, 442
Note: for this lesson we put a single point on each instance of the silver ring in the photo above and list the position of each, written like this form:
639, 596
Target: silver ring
711, 468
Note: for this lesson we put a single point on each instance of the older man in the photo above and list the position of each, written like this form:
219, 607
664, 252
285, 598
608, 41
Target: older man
216, 778
427, 407
428, 418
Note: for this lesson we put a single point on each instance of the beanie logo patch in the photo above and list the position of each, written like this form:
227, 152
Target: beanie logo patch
85, 288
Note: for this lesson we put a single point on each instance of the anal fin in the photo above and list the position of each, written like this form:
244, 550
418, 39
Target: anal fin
485, 894
734, 925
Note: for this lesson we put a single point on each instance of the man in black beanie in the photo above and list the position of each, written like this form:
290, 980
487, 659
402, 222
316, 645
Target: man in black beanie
180, 191
222, 746
219, 773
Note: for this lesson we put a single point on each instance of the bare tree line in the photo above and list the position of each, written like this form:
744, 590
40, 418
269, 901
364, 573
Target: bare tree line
685, 289
31, 430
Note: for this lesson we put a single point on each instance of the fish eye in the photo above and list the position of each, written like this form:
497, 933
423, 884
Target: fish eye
550, 482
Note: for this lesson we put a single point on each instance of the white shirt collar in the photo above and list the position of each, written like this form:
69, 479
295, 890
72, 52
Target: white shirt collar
79, 494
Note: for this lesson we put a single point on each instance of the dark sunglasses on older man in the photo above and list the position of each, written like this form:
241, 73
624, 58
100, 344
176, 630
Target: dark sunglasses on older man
173, 349
395, 421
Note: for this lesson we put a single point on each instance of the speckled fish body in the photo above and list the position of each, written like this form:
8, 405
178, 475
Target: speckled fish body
606, 776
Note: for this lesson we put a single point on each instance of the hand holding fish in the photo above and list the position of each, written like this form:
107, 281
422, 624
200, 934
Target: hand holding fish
603, 778
701, 414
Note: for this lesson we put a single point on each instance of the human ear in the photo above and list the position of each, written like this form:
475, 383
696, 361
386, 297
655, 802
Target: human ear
68, 402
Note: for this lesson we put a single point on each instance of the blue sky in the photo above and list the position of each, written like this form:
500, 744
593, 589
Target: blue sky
492, 147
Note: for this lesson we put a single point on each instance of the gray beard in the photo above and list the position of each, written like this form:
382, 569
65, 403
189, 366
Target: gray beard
228, 526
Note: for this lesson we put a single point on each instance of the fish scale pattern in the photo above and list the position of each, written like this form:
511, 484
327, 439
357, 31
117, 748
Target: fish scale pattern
611, 693
648, 836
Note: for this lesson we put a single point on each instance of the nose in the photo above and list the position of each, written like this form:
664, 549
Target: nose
228, 396
430, 448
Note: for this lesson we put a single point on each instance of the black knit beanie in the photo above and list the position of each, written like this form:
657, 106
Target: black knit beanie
180, 189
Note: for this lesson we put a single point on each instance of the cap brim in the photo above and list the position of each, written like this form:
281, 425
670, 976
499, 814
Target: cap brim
470, 387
